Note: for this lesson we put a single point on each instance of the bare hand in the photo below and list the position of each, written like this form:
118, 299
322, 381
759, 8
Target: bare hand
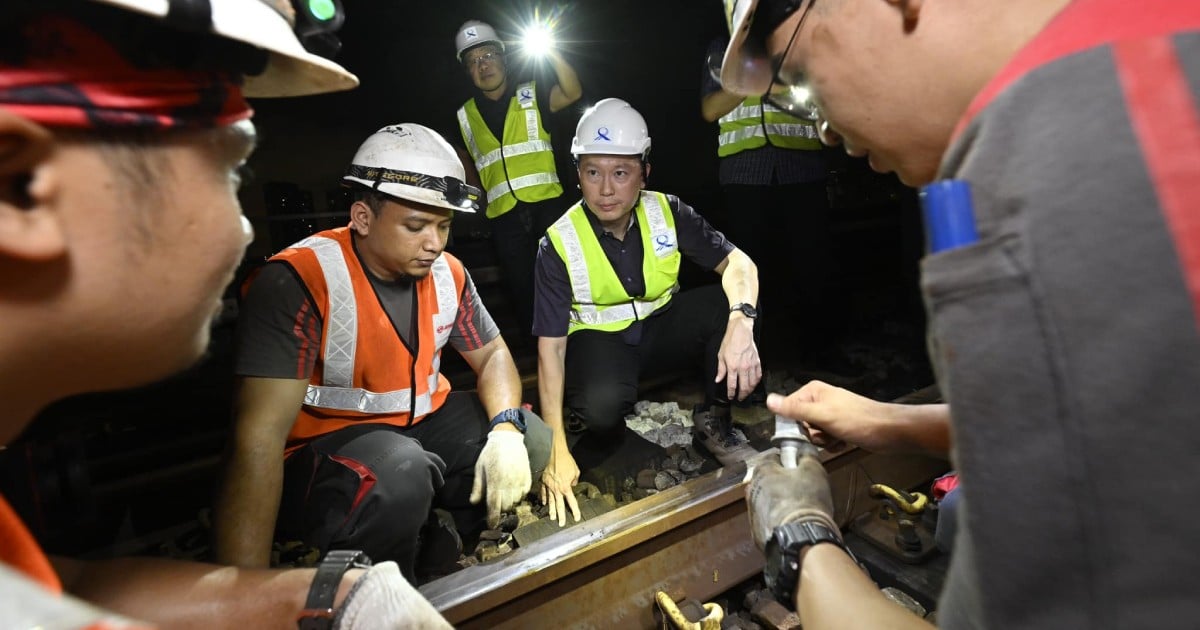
832, 414
737, 360
560, 476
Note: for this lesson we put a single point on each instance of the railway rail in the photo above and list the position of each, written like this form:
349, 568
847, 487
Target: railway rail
692, 540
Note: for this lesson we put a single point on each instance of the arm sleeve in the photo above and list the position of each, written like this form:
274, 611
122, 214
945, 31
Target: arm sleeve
279, 327
474, 327
698, 240
551, 293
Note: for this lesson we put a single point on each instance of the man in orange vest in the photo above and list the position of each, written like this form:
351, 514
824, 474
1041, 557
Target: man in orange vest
108, 281
346, 432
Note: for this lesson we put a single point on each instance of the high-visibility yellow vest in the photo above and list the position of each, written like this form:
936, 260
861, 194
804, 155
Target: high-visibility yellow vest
742, 129
598, 301
523, 168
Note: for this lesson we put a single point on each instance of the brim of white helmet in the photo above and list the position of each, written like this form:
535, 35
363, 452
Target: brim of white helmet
291, 70
744, 71
411, 193
604, 149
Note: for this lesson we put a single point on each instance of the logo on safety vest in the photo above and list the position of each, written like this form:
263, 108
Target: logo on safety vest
663, 245
525, 96
444, 327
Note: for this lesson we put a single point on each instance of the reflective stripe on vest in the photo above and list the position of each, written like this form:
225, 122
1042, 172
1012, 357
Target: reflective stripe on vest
599, 301
524, 165
742, 129
336, 390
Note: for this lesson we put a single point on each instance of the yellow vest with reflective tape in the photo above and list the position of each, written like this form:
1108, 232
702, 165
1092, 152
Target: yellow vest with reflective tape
598, 300
742, 129
524, 165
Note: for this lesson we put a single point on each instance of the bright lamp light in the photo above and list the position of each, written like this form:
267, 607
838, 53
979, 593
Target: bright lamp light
537, 40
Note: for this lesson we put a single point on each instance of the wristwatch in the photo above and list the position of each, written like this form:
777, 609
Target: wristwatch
509, 415
782, 569
746, 309
318, 608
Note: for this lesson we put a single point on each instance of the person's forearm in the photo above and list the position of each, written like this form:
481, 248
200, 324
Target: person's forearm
499, 382
177, 594
246, 508
739, 279
920, 428
714, 105
569, 87
834, 593
551, 370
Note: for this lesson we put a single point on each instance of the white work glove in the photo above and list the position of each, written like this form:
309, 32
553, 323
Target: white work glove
503, 467
381, 598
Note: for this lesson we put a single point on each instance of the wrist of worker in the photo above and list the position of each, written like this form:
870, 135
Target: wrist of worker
349, 578
738, 317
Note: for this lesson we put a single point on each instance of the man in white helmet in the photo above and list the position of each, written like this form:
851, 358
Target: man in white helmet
607, 311
345, 427
1064, 326
123, 124
504, 128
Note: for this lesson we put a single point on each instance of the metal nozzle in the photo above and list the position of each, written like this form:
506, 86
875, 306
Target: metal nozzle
792, 441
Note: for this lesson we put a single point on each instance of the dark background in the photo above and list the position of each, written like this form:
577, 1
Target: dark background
104, 473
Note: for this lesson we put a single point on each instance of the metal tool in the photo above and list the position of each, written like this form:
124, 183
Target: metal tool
792, 440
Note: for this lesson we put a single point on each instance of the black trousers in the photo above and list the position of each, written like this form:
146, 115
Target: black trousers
515, 237
785, 230
603, 371
371, 487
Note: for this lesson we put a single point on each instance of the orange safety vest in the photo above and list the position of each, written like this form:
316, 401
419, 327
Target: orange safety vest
365, 372
31, 594
20, 551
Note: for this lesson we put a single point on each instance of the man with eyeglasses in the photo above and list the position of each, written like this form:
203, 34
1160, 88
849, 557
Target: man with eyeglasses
773, 174
1065, 336
346, 432
504, 129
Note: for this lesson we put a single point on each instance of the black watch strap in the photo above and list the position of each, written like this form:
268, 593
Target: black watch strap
318, 608
782, 570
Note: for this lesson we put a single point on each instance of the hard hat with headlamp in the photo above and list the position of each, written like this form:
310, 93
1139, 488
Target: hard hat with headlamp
475, 33
274, 26
611, 127
413, 162
748, 68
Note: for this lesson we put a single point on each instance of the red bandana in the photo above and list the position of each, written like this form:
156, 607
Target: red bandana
72, 77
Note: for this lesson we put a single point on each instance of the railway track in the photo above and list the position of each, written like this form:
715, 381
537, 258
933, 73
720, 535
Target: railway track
692, 540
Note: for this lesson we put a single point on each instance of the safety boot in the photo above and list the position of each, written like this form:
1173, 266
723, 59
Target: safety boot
713, 429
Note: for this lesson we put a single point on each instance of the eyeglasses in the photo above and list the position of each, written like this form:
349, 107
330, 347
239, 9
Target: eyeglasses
487, 57
792, 96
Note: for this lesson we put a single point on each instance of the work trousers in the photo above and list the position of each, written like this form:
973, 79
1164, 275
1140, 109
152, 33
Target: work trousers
371, 487
603, 371
515, 237
784, 228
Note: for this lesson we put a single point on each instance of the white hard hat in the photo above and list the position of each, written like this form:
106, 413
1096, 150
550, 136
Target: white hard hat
611, 127
413, 162
266, 24
474, 33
